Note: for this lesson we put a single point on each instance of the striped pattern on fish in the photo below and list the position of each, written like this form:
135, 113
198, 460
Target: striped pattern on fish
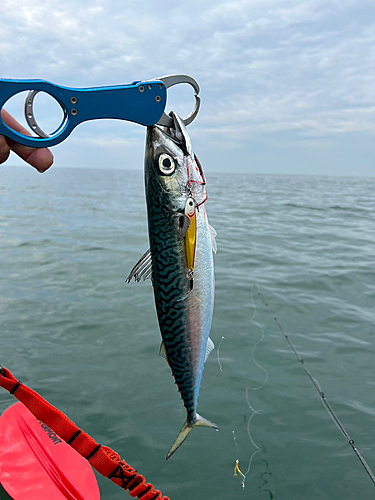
184, 294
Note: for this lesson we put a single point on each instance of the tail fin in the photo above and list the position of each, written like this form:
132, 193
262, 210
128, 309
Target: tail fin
186, 429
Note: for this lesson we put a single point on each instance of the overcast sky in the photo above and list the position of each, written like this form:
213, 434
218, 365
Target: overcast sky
287, 86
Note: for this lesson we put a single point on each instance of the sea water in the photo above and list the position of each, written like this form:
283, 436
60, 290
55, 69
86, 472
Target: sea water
74, 331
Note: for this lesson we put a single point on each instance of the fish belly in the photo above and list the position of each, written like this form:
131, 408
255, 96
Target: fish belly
201, 300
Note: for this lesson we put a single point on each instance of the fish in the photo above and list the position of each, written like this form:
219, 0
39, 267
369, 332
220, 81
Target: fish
179, 261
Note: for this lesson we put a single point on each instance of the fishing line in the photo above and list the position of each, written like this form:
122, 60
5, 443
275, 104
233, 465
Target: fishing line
269, 473
256, 363
237, 465
258, 449
218, 354
253, 410
317, 386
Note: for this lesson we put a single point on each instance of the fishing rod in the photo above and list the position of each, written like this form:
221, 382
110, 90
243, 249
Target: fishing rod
322, 395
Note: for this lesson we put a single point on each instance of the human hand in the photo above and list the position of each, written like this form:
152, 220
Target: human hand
39, 158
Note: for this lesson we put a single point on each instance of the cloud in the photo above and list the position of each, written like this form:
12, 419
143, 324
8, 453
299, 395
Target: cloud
104, 141
300, 66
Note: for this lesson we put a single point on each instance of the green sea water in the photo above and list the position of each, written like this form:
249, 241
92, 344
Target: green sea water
73, 330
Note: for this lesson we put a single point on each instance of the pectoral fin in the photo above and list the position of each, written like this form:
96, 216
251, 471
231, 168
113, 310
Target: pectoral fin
143, 268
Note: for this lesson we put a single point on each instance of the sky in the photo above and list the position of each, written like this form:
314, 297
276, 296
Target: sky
287, 86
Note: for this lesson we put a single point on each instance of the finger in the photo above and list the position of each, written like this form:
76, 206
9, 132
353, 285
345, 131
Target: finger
39, 158
4, 149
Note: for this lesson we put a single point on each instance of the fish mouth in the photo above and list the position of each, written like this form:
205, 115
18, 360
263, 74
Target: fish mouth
177, 135
162, 139
160, 133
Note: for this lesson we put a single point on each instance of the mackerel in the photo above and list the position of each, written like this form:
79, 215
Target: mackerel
179, 262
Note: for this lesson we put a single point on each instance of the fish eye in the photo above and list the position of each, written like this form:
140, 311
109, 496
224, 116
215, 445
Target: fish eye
166, 164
